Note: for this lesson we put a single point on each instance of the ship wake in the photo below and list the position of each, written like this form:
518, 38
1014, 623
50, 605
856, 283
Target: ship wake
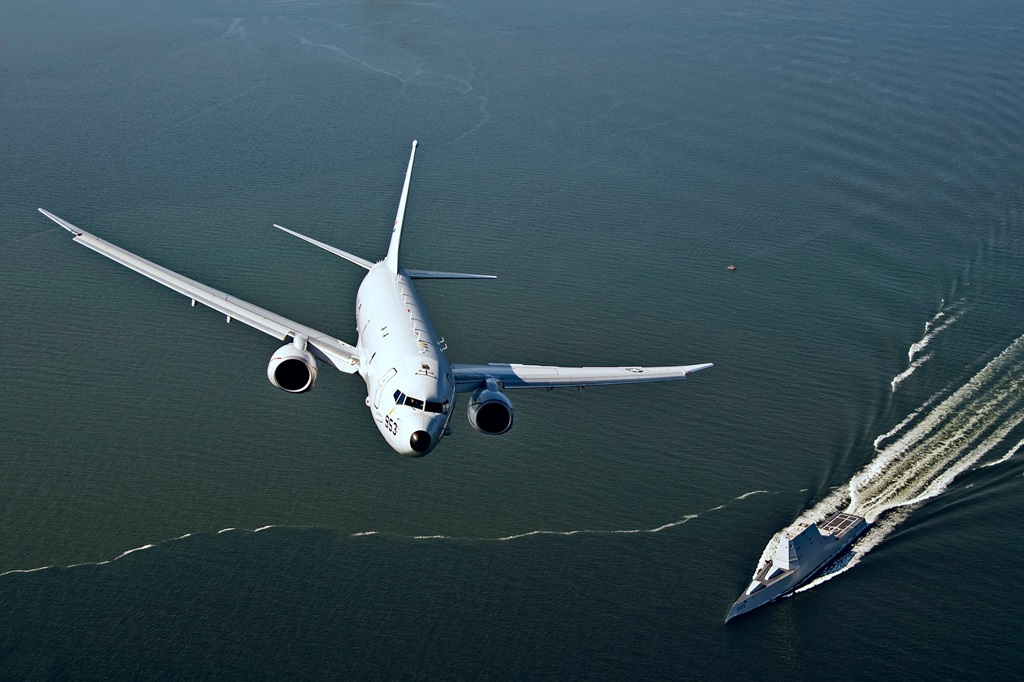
432, 537
959, 430
939, 323
975, 424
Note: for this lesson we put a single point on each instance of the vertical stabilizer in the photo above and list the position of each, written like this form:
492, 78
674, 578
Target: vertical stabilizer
396, 234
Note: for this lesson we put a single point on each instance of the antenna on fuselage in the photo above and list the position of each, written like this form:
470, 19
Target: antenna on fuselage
396, 234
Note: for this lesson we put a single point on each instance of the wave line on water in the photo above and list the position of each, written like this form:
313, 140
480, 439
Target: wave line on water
944, 441
1007, 457
122, 555
905, 374
939, 322
568, 533
369, 533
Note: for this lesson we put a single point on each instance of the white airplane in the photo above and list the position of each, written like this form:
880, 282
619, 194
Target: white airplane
410, 385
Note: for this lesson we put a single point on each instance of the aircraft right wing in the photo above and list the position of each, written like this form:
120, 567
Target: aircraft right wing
329, 349
472, 377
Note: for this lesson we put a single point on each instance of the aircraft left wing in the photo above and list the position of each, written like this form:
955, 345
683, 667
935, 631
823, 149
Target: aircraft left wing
329, 349
472, 377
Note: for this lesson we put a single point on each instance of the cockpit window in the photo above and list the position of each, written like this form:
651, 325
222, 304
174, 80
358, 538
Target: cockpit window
416, 403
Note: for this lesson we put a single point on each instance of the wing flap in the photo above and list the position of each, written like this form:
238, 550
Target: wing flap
471, 377
333, 351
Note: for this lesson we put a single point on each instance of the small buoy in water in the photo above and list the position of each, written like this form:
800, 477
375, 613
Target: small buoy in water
731, 267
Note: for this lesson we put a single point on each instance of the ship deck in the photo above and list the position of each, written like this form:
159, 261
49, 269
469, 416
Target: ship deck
840, 524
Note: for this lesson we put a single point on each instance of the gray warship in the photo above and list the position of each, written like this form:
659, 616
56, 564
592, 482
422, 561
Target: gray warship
797, 559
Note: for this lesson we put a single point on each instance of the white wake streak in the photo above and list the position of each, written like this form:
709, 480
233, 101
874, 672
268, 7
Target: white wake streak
941, 321
957, 432
370, 533
922, 455
1005, 458
906, 374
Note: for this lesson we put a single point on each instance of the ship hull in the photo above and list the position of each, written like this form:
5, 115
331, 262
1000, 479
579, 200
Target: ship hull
799, 559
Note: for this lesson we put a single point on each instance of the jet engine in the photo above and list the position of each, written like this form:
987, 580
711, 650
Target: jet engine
292, 369
490, 410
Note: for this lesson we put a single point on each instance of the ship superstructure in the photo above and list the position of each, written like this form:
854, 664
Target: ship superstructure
799, 558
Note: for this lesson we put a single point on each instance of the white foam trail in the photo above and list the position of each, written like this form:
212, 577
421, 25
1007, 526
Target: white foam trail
657, 529
1005, 458
909, 418
865, 544
936, 317
133, 551
905, 374
98, 563
582, 531
941, 321
941, 482
587, 531
937, 442
944, 441
26, 570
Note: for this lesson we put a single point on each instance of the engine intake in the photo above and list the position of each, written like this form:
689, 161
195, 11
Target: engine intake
292, 369
490, 410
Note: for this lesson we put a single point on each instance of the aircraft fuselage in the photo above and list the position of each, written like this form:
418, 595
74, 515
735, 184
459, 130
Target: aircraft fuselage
409, 386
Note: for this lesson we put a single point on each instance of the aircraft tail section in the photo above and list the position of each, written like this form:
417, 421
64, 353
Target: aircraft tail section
391, 261
396, 234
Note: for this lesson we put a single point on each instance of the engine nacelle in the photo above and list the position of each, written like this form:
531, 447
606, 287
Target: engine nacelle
490, 410
292, 369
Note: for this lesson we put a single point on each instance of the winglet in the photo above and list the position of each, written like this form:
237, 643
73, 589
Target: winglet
396, 234
63, 223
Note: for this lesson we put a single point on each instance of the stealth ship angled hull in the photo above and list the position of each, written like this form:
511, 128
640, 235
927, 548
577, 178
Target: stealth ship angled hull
799, 558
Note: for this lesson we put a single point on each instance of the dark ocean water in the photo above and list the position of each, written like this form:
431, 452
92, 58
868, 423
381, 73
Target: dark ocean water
166, 513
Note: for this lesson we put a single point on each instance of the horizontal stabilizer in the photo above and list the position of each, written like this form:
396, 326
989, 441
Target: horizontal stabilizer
430, 274
361, 262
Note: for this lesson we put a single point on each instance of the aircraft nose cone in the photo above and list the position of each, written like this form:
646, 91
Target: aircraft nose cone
420, 441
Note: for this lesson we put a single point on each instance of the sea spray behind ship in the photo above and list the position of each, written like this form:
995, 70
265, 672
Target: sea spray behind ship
915, 461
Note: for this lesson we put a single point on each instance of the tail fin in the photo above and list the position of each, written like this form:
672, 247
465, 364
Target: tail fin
396, 234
